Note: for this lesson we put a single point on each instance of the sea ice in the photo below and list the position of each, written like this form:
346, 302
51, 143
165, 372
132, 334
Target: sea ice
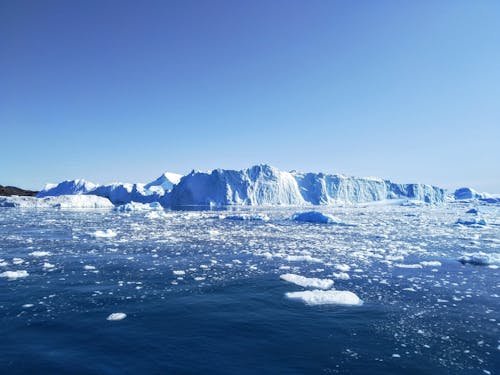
116, 316
326, 297
307, 281
480, 258
315, 217
14, 275
108, 233
40, 253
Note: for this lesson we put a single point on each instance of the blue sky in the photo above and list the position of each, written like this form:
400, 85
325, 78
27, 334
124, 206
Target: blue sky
124, 90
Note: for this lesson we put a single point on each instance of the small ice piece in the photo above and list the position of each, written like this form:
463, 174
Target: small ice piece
326, 297
48, 266
307, 281
28, 305
472, 211
480, 258
396, 356
402, 265
179, 272
341, 275
471, 222
40, 253
116, 316
431, 263
302, 258
88, 267
247, 217
14, 275
315, 217
108, 233
343, 267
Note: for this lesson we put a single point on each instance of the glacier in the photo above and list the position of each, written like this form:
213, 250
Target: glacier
264, 185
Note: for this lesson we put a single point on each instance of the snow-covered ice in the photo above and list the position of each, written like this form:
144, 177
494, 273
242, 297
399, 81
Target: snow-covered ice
307, 281
326, 297
14, 275
116, 316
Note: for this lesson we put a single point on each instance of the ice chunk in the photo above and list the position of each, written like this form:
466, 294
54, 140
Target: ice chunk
108, 233
480, 258
471, 222
40, 253
307, 281
179, 272
14, 275
116, 316
326, 297
315, 217
302, 258
135, 206
402, 265
246, 217
431, 263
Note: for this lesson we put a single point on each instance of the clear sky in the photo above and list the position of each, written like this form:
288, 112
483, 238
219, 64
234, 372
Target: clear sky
125, 90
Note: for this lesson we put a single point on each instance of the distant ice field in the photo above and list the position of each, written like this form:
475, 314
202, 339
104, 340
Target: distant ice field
398, 289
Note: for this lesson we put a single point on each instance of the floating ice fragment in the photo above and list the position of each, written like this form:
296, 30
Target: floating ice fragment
480, 258
315, 217
302, 258
179, 272
471, 222
108, 233
431, 263
402, 265
14, 275
307, 281
116, 316
326, 297
88, 267
40, 253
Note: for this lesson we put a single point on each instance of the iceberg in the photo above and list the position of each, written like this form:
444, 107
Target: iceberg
68, 187
466, 193
260, 185
255, 186
315, 217
266, 185
62, 202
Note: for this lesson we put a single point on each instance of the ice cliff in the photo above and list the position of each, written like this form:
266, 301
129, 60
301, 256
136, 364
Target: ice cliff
256, 186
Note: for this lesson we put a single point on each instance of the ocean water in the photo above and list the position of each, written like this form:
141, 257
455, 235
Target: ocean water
202, 292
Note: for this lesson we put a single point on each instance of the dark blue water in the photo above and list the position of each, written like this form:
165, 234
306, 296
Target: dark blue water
228, 313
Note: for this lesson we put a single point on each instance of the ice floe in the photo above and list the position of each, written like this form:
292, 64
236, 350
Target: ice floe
116, 316
14, 275
480, 259
307, 281
108, 233
326, 297
315, 217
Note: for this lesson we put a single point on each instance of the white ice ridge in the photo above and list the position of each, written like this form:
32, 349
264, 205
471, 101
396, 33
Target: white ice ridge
315, 217
255, 186
326, 297
307, 281
14, 275
61, 201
